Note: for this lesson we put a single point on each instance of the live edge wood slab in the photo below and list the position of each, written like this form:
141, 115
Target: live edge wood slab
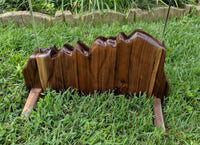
125, 64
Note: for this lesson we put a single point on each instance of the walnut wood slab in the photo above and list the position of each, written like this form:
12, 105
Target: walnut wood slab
128, 64
125, 64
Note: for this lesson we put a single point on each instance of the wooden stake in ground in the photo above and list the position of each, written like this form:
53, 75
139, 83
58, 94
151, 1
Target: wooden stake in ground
31, 101
35, 92
157, 111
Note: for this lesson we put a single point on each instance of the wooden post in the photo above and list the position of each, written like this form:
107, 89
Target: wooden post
157, 111
31, 101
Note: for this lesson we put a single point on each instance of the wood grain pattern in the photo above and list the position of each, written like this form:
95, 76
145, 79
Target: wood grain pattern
83, 67
45, 66
56, 78
161, 85
30, 72
105, 57
124, 48
128, 64
69, 67
157, 111
31, 101
145, 59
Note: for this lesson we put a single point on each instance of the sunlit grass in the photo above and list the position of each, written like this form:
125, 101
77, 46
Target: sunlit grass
60, 118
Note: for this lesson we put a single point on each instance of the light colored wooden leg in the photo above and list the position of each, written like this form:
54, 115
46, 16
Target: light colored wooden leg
31, 101
157, 111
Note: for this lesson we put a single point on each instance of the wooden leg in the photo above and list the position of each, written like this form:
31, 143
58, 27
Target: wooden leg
31, 101
157, 111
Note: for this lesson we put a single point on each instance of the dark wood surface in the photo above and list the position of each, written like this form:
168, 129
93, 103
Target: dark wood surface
127, 64
105, 58
124, 47
69, 67
30, 72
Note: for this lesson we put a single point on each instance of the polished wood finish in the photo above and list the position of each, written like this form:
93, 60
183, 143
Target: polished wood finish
31, 101
69, 66
30, 72
127, 64
104, 58
157, 112
45, 67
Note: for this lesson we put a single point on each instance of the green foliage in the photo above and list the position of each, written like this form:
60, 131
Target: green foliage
79, 6
47, 6
67, 118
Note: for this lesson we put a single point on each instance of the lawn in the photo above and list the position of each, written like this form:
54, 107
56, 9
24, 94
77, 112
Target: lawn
60, 118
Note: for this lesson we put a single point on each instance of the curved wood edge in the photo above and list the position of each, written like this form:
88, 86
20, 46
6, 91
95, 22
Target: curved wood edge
157, 111
83, 67
74, 66
31, 101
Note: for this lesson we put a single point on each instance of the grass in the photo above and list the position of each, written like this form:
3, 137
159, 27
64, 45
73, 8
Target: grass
80, 6
63, 118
